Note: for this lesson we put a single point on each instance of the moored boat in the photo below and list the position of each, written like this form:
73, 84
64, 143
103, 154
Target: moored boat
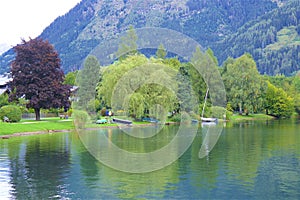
204, 119
122, 121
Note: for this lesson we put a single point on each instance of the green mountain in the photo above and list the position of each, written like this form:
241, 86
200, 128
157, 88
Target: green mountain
219, 24
273, 39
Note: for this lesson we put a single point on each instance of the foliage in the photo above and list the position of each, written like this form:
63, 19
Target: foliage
87, 80
161, 52
295, 87
76, 33
70, 78
37, 76
128, 44
205, 65
278, 103
113, 73
243, 84
3, 100
297, 103
196, 80
291, 85
206, 111
80, 117
13, 113
229, 115
176, 117
272, 39
185, 93
133, 80
137, 105
218, 112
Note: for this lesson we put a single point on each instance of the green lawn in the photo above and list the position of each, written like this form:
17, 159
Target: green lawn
237, 117
47, 124
32, 125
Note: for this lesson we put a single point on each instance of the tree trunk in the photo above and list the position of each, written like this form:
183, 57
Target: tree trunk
240, 109
37, 114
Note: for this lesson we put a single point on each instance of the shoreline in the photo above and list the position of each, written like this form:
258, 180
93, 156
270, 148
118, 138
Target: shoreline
111, 126
43, 132
34, 133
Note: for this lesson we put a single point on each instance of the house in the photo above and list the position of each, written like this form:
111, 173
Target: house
4, 83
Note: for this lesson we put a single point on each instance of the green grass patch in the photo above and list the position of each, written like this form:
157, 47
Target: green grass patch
47, 124
237, 117
32, 126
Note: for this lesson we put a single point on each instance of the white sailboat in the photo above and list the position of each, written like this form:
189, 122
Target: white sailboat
205, 119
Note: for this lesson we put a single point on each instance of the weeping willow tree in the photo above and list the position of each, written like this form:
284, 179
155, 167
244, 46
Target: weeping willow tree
139, 86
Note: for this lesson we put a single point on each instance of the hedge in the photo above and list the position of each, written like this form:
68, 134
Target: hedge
13, 113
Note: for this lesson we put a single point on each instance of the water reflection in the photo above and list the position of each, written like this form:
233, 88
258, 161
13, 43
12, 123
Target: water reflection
250, 160
211, 132
139, 155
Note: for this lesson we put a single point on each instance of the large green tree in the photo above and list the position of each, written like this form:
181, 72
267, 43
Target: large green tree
244, 85
206, 77
37, 76
3, 99
186, 94
70, 78
278, 103
161, 52
128, 44
87, 80
295, 87
137, 85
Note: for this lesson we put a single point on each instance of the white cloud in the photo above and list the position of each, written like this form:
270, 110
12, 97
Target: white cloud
28, 18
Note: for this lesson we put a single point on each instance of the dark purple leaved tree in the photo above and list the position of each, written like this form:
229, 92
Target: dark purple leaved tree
37, 76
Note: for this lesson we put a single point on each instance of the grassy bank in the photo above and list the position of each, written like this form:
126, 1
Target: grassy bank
53, 124
237, 117
47, 125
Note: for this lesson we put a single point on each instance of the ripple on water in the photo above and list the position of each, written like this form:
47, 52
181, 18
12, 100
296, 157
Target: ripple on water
5, 186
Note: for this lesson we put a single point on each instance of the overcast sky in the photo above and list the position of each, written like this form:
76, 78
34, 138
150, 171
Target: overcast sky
28, 18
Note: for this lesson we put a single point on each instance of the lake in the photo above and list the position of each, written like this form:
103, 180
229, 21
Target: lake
251, 160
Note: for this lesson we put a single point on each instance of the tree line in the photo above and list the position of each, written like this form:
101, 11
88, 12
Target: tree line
247, 91
39, 83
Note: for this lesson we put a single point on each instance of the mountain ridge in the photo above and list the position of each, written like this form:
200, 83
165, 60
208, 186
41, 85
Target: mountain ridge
210, 23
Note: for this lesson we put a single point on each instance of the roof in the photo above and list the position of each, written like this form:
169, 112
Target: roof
4, 80
3, 90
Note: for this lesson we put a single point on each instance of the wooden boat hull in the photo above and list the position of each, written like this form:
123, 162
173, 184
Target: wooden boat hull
121, 121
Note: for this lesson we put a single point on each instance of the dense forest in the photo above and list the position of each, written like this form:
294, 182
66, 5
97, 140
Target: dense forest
139, 86
273, 40
247, 92
267, 29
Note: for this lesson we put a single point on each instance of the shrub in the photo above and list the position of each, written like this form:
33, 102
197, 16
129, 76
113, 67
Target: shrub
218, 112
176, 118
3, 100
228, 115
80, 118
13, 113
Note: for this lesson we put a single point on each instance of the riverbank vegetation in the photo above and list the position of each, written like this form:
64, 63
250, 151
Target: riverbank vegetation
163, 86
248, 93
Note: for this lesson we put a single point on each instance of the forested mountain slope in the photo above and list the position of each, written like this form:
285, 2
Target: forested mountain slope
273, 40
215, 24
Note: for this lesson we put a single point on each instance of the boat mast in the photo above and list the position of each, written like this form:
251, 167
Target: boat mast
204, 102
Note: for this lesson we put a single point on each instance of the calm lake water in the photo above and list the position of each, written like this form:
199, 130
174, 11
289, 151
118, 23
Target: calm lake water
251, 160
